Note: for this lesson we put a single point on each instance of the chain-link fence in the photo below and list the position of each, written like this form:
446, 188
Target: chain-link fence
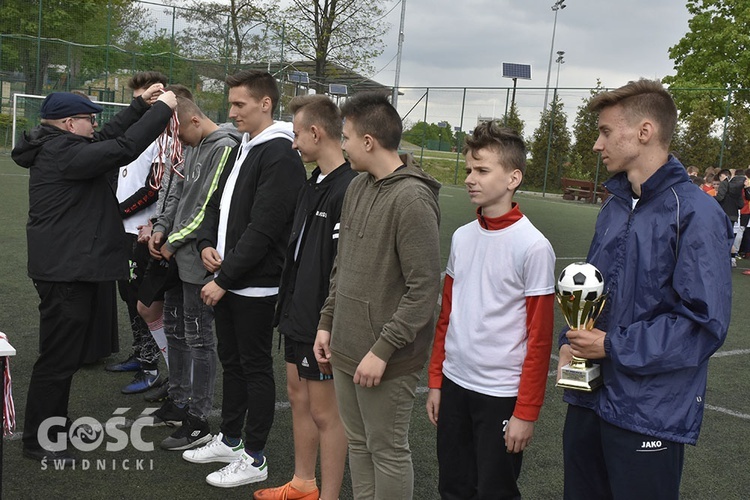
46, 47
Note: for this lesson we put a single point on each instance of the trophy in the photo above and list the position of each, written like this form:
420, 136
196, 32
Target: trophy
580, 293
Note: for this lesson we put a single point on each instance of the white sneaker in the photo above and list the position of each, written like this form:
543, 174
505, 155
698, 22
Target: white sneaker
241, 471
734, 262
214, 451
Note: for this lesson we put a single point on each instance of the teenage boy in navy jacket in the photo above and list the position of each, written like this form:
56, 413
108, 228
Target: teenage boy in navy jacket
657, 241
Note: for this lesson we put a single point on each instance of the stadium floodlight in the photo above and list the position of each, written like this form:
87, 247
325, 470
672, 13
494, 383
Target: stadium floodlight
298, 77
559, 4
338, 89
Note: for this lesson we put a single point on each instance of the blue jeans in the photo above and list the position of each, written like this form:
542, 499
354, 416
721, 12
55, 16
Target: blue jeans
192, 348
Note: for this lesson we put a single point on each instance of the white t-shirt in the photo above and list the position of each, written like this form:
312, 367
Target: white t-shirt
131, 178
493, 273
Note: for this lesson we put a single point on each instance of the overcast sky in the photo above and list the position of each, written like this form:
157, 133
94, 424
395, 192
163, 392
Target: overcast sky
463, 44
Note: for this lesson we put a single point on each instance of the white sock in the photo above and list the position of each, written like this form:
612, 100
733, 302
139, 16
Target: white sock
157, 331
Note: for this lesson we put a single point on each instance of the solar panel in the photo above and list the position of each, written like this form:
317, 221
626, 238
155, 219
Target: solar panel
298, 77
338, 89
513, 70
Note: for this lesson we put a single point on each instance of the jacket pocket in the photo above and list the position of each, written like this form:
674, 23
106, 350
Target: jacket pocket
352, 335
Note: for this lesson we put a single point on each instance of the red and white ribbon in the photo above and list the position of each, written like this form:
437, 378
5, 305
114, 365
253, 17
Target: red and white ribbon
169, 146
9, 410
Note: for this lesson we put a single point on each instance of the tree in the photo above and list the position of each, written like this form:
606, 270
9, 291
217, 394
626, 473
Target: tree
737, 153
347, 32
712, 54
586, 131
513, 121
235, 32
430, 135
558, 145
700, 146
78, 21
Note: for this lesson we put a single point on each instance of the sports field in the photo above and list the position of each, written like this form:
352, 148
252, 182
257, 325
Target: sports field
718, 468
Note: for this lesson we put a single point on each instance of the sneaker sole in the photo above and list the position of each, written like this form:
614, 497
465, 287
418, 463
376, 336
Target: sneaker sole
205, 439
257, 479
160, 423
223, 460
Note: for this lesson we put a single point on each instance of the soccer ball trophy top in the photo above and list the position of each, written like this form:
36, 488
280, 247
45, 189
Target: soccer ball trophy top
580, 293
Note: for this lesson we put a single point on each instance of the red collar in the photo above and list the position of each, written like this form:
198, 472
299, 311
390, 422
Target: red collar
496, 223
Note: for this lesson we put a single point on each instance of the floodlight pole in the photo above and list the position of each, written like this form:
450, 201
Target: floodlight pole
394, 98
559, 4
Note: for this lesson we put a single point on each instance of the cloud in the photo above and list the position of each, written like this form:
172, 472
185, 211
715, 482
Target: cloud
463, 44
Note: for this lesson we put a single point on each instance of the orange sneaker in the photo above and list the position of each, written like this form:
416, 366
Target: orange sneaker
286, 492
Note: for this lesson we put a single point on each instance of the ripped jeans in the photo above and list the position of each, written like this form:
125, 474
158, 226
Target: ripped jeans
192, 348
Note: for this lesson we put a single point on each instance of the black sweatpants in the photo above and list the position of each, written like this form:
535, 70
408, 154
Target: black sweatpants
603, 462
473, 461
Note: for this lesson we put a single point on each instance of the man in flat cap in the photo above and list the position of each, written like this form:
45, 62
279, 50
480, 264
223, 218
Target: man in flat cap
75, 240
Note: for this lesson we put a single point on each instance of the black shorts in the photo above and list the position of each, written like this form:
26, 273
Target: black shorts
161, 275
302, 355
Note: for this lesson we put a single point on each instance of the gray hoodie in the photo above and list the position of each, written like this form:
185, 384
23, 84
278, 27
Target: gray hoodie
204, 164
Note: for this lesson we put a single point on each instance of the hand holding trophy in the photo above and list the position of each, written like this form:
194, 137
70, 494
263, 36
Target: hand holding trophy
580, 293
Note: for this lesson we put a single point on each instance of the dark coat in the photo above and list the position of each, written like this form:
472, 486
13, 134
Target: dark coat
74, 230
304, 282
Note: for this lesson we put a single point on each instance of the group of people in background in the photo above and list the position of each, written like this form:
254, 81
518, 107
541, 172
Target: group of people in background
231, 233
731, 188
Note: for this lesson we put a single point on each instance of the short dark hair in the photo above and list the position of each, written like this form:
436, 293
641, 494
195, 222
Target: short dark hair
504, 141
725, 171
372, 113
145, 79
318, 109
642, 99
260, 84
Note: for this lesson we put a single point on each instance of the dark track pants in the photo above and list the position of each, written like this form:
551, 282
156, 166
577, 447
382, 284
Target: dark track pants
473, 461
604, 462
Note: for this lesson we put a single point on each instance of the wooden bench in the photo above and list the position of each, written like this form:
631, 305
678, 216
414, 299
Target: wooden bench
577, 189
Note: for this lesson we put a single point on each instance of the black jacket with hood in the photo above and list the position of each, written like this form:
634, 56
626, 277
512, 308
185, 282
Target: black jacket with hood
74, 230
304, 282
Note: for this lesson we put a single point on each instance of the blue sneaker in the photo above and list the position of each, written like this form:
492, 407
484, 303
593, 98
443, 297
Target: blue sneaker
129, 365
142, 382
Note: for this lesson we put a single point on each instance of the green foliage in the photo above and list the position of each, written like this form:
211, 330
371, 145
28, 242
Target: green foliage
431, 136
698, 144
712, 54
513, 121
586, 131
559, 148
737, 154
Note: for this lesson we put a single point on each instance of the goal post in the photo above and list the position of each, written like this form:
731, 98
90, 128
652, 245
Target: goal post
26, 109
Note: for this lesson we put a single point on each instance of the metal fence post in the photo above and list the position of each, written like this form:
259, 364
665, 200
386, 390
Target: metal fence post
724, 133
460, 128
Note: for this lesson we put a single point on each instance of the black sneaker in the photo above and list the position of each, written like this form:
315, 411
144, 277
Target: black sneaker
158, 394
194, 432
169, 414
61, 459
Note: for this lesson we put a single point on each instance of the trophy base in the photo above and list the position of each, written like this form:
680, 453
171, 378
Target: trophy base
580, 379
